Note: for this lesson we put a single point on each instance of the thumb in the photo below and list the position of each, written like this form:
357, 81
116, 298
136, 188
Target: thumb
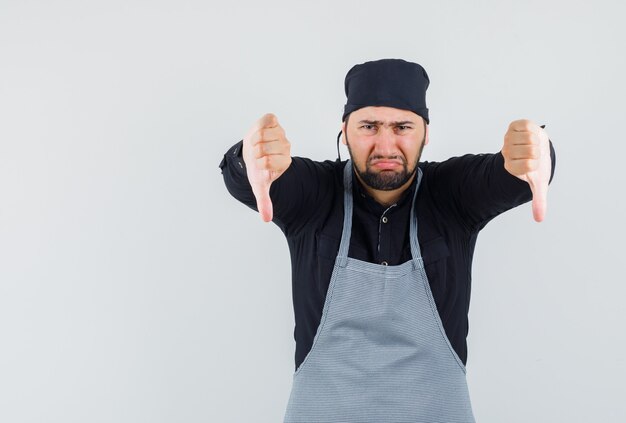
268, 120
263, 201
539, 189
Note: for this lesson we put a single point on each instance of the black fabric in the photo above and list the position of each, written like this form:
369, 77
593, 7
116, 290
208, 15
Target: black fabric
387, 82
456, 199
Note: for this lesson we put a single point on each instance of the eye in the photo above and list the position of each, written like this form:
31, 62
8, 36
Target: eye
402, 127
368, 127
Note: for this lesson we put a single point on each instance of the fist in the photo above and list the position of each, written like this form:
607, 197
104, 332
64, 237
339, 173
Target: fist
267, 154
526, 153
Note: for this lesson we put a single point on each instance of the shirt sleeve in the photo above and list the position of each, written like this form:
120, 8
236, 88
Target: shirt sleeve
295, 195
475, 188
235, 178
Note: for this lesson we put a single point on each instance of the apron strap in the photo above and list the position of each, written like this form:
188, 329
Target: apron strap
415, 246
342, 256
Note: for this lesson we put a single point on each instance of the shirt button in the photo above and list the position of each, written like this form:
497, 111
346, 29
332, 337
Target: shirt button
384, 263
385, 219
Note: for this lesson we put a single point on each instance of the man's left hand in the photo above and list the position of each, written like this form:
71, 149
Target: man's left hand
526, 153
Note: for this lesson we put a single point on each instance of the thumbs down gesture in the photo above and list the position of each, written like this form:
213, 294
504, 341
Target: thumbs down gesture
526, 153
266, 152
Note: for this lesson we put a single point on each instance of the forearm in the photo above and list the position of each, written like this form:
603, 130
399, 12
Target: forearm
502, 191
295, 195
475, 188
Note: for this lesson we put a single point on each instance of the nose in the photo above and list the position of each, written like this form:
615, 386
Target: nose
386, 143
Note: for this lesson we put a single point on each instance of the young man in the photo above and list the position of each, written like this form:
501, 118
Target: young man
381, 248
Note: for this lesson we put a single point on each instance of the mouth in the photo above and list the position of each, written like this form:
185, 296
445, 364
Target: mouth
386, 164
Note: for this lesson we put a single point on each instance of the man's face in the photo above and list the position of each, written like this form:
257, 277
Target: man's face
385, 145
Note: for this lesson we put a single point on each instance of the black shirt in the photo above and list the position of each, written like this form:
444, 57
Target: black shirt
455, 200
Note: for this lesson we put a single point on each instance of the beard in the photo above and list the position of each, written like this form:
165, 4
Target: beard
385, 180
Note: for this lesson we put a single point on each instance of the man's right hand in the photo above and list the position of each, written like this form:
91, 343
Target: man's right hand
267, 154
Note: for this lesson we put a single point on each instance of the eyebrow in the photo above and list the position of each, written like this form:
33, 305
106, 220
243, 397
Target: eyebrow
378, 122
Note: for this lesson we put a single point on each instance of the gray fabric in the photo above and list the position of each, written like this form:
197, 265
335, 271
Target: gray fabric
380, 353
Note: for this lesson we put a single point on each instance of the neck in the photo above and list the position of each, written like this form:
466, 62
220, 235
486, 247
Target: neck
385, 198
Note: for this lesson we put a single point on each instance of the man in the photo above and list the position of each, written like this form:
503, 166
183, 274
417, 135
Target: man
381, 248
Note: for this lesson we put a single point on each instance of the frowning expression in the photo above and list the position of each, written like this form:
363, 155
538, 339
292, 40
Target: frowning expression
385, 145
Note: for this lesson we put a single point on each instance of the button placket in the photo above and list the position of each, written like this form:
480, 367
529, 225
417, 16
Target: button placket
383, 220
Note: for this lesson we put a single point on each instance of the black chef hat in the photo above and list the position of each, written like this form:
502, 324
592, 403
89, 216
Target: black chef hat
387, 82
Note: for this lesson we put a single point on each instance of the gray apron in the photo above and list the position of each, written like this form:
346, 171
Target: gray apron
380, 353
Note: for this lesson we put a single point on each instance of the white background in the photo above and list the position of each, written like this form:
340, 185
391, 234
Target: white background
133, 288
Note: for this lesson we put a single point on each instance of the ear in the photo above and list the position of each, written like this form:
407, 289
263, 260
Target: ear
426, 136
343, 129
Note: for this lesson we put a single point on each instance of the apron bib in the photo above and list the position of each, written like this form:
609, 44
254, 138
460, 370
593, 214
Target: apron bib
380, 353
